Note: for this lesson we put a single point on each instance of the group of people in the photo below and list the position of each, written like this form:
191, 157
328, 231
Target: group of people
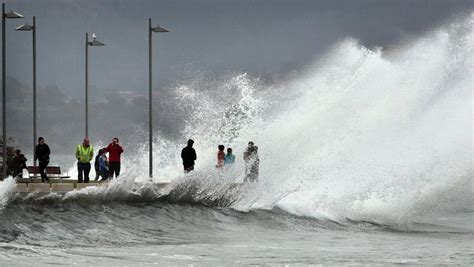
224, 159
251, 159
16, 162
105, 168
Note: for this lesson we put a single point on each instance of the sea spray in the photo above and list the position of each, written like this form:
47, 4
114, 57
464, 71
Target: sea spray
363, 134
7, 189
377, 138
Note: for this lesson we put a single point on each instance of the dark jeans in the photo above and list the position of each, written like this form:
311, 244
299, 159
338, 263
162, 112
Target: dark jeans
83, 168
42, 167
114, 167
97, 174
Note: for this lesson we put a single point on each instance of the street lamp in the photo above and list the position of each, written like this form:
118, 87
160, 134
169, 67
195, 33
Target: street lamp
150, 95
26, 27
88, 43
9, 15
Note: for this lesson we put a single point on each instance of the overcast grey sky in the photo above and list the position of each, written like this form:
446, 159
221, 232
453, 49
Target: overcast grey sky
211, 39
263, 38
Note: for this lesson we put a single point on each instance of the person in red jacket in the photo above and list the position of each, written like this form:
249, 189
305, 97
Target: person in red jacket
114, 150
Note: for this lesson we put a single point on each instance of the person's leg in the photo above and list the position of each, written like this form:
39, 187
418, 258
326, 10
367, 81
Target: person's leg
45, 174
104, 175
87, 170
117, 170
188, 168
246, 177
254, 172
97, 174
42, 168
111, 170
80, 169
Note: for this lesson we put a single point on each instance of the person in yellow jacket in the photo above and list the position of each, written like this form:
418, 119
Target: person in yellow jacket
84, 155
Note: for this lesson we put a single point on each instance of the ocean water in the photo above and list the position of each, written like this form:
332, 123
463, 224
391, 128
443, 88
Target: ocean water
366, 158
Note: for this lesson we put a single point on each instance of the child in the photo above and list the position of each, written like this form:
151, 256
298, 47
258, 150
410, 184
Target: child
220, 157
229, 158
103, 168
96, 165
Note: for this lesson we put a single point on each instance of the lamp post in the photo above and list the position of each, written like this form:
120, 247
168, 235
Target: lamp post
88, 43
150, 95
9, 15
26, 27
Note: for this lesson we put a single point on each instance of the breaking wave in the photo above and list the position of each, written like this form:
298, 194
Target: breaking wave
362, 135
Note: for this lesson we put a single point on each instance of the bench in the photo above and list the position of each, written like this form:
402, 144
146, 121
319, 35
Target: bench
51, 172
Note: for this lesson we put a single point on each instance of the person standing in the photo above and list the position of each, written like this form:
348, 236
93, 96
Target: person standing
188, 154
252, 163
220, 156
115, 150
84, 155
42, 153
229, 158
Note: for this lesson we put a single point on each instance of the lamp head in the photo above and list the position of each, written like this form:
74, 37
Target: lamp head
158, 28
24, 27
95, 42
13, 15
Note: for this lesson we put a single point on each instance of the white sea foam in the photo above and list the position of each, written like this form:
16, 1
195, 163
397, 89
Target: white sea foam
7, 188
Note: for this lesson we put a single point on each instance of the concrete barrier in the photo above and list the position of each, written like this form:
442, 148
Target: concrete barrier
61, 187
21, 188
81, 186
41, 187
161, 184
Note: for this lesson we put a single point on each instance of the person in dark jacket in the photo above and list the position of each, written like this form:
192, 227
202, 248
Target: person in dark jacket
115, 150
103, 166
20, 163
11, 161
188, 154
42, 152
96, 164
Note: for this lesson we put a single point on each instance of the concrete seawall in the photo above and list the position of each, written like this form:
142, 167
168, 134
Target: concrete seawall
65, 187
